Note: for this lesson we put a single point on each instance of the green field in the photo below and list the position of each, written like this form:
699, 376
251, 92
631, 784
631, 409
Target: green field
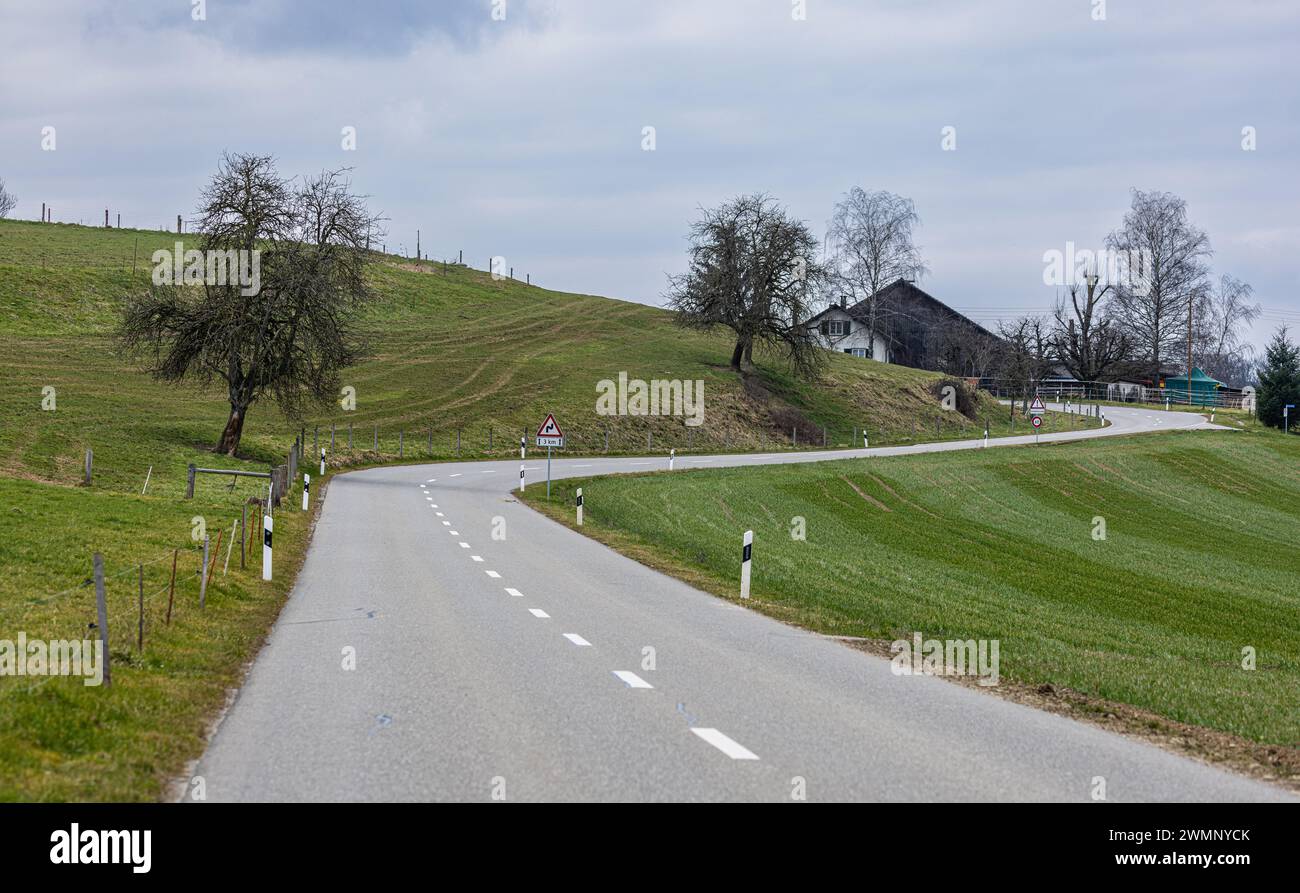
450, 349
1200, 560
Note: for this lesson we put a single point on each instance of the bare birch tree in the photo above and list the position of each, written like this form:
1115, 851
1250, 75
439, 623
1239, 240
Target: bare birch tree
869, 242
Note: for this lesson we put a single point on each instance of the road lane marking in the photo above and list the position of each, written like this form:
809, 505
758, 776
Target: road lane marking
431, 481
538, 612
464, 545
456, 475
631, 679
493, 574
731, 748
577, 640
489, 471
454, 532
446, 523
515, 592
441, 515
477, 557
583, 466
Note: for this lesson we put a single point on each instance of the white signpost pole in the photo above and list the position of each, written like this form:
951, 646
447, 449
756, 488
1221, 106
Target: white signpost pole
306, 488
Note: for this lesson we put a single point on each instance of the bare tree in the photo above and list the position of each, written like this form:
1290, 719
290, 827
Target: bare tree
1226, 310
1166, 275
7, 200
1026, 353
753, 269
869, 239
1084, 337
291, 337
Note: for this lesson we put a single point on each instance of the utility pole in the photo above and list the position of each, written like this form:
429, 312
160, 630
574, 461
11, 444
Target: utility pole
1189, 351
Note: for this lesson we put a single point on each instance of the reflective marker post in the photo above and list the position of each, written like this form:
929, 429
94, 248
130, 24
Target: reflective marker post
322, 462
306, 487
579, 506
267, 525
746, 555
548, 472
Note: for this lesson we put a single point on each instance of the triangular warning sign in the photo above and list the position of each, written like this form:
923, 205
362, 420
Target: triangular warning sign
1037, 405
549, 428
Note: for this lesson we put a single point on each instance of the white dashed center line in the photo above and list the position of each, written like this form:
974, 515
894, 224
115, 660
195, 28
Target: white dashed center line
632, 679
431, 481
538, 612
454, 532
731, 748
493, 574
446, 523
464, 545
515, 592
577, 640
477, 557
456, 475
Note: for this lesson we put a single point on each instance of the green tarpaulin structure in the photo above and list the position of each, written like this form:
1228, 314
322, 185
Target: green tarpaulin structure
1202, 392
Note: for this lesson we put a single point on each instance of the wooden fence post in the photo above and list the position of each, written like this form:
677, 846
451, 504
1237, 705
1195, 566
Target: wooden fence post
101, 616
90, 463
140, 639
189, 483
401, 444
171, 587
243, 532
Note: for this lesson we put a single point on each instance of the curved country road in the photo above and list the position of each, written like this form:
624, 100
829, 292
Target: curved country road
515, 669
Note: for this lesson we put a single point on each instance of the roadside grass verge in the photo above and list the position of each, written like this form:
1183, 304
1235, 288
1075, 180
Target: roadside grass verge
63, 740
1199, 560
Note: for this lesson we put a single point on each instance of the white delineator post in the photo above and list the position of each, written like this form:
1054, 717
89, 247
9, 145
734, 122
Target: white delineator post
322, 462
986, 438
746, 556
267, 526
579, 506
672, 454
521, 475
522, 443
866, 444
306, 487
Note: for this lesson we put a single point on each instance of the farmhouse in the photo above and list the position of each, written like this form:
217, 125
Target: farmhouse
911, 328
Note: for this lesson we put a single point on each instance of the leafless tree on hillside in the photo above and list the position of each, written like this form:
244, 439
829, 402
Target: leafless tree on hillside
7, 200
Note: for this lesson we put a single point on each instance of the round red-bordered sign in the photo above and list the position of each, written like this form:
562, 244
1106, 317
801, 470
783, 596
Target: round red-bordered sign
1038, 421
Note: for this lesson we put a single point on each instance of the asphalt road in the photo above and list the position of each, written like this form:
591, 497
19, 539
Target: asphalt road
518, 668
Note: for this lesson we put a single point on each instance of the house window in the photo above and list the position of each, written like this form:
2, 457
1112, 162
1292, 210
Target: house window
857, 351
837, 327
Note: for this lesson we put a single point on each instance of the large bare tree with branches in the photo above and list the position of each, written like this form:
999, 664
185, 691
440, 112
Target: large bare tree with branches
1167, 274
292, 337
752, 269
1085, 337
869, 242
1220, 320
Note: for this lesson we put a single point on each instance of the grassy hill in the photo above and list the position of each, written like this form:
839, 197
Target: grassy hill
451, 349
1198, 562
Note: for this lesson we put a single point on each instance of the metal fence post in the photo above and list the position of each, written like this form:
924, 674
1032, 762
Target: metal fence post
101, 616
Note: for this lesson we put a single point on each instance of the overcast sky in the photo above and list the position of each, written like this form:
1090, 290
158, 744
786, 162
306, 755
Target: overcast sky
524, 137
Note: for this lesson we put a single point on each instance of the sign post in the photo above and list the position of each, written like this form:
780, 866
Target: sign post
1036, 409
550, 436
1286, 418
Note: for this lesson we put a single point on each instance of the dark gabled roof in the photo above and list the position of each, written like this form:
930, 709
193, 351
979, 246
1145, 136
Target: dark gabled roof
861, 312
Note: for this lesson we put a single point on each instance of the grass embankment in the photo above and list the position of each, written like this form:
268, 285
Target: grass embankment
450, 349
1199, 560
